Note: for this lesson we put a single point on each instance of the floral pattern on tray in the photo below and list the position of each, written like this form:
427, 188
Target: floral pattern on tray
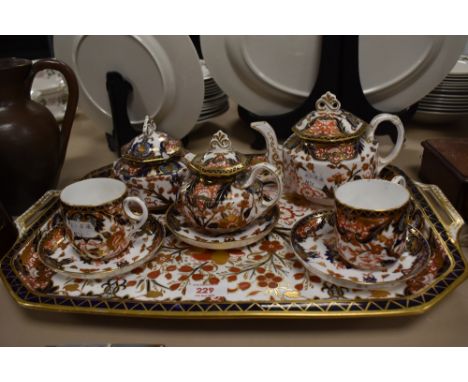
262, 279
265, 271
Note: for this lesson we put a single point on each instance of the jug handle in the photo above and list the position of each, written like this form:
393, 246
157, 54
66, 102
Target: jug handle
376, 121
72, 102
255, 172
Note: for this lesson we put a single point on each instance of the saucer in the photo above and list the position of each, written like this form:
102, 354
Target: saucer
255, 231
313, 241
57, 252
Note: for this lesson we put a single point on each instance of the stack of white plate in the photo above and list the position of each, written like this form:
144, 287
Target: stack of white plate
270, 75
449, 100
49, 88
215, 101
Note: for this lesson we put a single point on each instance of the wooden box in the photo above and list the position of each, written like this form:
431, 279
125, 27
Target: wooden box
445, 164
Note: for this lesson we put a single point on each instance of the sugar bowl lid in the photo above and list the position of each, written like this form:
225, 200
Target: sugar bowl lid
220, 160
328, 123
151, 146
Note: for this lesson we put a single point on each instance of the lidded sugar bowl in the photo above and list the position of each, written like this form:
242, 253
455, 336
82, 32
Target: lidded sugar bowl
328, 147
152, 166
223, 193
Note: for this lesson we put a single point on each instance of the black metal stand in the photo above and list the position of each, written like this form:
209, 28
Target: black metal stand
118, 90
338, 73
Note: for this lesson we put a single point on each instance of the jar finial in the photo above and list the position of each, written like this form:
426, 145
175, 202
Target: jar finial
220, 141
328, 102
149, 126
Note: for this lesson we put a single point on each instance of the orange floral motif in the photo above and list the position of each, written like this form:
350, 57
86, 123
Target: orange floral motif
231, 221
271, 246
310, 192
39, 276
204, 194
335, 153
324, 128
337, 178
269, 280
245, 202
118, 241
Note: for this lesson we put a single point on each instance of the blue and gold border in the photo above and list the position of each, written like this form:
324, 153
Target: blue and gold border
453, 275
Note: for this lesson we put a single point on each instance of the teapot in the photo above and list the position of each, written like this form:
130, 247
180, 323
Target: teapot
152, 167
223, 192
329, 147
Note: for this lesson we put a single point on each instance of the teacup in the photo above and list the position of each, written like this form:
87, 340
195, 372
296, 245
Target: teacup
98, 218
371, 222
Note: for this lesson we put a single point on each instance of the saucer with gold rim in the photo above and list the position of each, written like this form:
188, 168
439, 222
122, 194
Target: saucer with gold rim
56, 251
179, 225
313, 241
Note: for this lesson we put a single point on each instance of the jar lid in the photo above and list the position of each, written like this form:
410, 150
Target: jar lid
151, 146
220, 160
328, 123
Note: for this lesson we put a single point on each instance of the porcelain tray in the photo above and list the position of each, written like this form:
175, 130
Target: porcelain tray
263, 280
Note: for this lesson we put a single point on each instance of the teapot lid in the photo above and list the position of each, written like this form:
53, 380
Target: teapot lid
151, 146
328, 123
220, 160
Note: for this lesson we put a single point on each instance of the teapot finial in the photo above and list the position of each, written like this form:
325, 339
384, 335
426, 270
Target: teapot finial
220, 141
328, 102
149, 126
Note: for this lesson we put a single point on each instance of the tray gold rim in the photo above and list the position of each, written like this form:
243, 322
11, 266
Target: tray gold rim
325, 313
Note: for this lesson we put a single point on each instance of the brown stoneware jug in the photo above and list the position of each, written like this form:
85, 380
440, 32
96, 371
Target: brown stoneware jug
32, 145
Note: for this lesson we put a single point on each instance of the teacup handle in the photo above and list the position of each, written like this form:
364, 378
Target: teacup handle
376, 121
255, 171
140, 219
398, 179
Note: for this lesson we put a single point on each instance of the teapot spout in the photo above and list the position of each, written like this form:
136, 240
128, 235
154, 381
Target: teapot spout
274, 154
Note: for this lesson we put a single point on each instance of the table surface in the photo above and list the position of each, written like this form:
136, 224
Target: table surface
445, 324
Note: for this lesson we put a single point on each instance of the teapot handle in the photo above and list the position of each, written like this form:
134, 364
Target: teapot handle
376, 121
72, 102
255, 171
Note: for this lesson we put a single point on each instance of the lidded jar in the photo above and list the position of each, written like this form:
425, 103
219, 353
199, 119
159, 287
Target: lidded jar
152, 166
223, 192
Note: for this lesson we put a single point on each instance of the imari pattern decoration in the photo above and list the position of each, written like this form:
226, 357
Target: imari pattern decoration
264, 279
329, 147
230, 198
152, 166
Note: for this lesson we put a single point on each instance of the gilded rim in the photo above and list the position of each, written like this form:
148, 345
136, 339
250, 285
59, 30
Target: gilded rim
301, 254
309, 309
132, 159
375, 210
349, 210
222, 246
215, 172
110, 273
99, 207
350, 137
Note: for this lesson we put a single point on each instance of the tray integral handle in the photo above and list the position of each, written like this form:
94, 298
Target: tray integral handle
446, 212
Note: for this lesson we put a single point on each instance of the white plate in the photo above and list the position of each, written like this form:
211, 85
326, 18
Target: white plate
432, 109
429, 117
164, 71
273, 74
461, 67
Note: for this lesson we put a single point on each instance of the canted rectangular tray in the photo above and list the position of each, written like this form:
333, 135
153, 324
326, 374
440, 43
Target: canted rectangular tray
263, 280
